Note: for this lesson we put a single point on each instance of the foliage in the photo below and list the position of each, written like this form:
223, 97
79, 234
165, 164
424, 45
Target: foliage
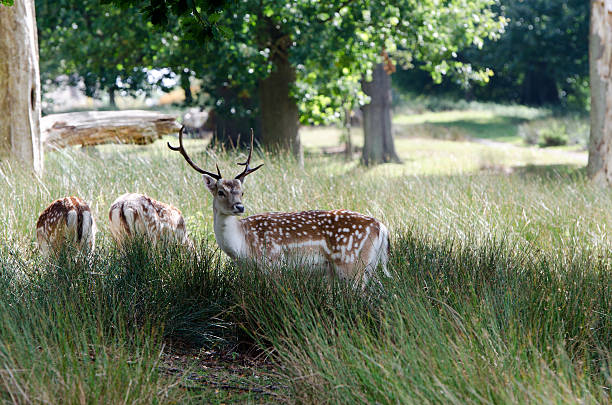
233, 46
555, 135
108, 48
331, 45
545, 51
542, 58
204, 13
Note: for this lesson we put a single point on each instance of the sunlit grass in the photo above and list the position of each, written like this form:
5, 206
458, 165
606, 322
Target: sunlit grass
437, 179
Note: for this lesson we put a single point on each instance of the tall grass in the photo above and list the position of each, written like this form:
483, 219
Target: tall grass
78, 330
501, 288
458, 323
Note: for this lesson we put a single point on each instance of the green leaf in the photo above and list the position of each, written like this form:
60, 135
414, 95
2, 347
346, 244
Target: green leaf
226, 31
214, 18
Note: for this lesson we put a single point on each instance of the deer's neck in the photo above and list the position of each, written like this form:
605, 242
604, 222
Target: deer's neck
229, 234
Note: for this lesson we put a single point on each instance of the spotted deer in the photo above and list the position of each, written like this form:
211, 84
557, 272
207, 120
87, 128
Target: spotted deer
137, 214
351, 244
66, 221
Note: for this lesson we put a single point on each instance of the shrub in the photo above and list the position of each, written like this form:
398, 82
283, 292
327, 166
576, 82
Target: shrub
573, 130
556, 135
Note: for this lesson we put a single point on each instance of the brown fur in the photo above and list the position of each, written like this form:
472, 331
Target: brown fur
133, 214
342, 237
69, 220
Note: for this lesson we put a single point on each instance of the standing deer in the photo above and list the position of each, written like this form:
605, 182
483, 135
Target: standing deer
66, 221
136, 214
350, 243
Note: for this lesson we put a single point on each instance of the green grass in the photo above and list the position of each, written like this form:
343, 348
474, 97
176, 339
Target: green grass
491, 124
482, 122
516, 125
501, 292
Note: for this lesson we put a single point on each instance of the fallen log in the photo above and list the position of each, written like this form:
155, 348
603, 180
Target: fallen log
88, 128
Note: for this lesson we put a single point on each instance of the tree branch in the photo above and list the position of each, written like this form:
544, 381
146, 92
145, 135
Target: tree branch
198, 16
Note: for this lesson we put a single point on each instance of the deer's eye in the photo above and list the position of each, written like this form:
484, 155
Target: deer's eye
221, 193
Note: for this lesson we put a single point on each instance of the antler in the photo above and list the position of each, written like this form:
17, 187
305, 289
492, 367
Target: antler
182, 151
247, 168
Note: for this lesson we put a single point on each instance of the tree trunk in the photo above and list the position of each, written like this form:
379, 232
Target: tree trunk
233, 132
378, 144
539, 88
20, 84
186, 85
230, 122
111, 97
348, 153
279, 111
599, 167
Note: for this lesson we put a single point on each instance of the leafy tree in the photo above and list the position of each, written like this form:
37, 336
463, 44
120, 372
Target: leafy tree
542, 58
108, 48
544, 51
263, 56
432, 34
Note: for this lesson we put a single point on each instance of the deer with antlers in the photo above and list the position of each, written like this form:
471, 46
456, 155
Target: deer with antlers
351, 244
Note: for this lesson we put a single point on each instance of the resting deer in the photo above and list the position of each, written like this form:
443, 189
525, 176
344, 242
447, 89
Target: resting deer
67, 220
350, 243
136, 214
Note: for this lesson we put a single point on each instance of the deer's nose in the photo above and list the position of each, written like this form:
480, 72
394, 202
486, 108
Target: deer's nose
239, 208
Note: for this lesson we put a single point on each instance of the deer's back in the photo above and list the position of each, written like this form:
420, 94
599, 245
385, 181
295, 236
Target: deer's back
133, 214
67, 219
339, 236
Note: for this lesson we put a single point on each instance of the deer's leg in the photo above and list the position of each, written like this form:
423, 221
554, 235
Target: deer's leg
347, 272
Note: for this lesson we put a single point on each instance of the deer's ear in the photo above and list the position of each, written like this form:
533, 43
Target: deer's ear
211, 183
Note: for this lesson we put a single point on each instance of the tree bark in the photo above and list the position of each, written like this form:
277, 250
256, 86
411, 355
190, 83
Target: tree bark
186, 85
599, 167
279, 111
111, 97
20, 85
348, 153
539, 88
230, 123
378, 144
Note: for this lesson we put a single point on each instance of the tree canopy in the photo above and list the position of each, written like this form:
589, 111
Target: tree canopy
331, 44
108, 48
324, 48
541, 59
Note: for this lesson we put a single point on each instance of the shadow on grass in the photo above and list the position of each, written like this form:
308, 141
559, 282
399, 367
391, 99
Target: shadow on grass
496, 128
500, 128
567, 172
461, 299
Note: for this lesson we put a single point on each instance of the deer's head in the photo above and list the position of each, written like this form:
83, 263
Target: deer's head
227, 194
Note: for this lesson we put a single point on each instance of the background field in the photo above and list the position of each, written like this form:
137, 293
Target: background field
501, 290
